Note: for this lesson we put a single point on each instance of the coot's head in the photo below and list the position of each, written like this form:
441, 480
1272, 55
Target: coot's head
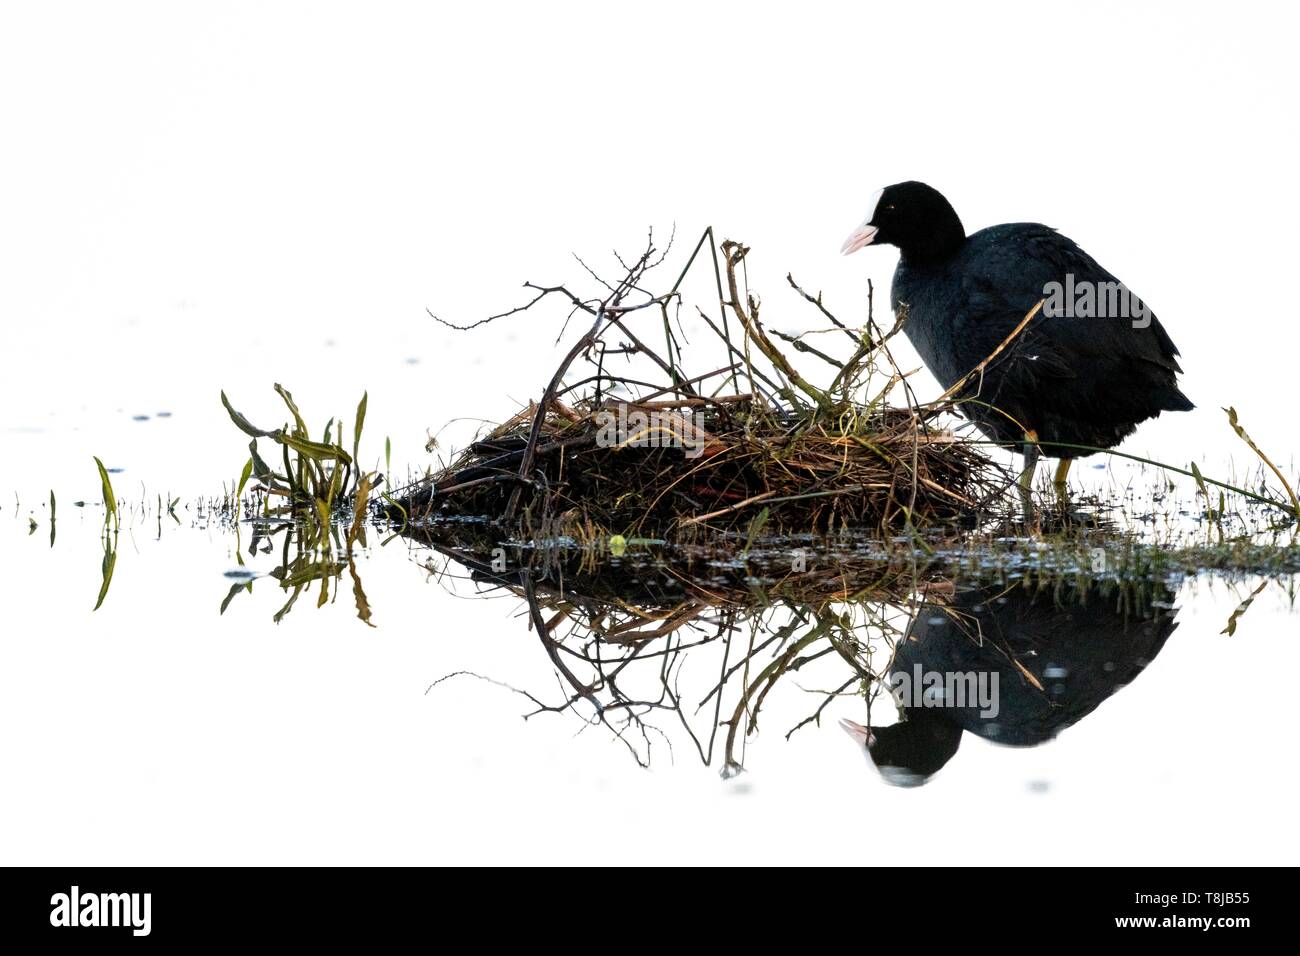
910, 752
912, 216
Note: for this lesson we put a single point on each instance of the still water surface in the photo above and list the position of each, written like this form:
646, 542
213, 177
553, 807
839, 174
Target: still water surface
190, 711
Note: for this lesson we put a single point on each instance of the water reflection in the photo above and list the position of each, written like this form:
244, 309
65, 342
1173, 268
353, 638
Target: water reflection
1013, 665
311, 556
929, 649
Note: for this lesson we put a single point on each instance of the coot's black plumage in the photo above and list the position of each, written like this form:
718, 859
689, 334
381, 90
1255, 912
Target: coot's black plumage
1075, 380
1078, 644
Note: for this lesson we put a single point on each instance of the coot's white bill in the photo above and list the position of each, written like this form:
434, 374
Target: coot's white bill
859, 733
858, 238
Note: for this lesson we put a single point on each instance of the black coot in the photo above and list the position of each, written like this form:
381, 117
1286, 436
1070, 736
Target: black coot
1086, 370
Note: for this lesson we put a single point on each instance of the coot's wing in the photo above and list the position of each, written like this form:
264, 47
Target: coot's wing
988, 313
1119, 369
1052, 257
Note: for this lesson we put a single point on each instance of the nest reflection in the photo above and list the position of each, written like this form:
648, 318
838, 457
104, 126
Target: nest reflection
658, 641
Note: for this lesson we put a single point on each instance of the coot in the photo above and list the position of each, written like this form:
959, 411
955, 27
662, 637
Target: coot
1091, 364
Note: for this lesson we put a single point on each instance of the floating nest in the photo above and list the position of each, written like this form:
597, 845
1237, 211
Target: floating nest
875, 468
753, 444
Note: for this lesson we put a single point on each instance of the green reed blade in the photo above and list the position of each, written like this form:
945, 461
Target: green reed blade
110, 499
243, 424
300, 425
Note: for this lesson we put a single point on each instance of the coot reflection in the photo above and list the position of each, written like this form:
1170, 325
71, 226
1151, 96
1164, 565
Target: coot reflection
1011, 666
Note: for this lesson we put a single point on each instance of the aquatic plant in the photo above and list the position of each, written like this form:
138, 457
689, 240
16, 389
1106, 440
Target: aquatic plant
319, 480
110, 499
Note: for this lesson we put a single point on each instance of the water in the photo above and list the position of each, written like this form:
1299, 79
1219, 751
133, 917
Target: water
228, 735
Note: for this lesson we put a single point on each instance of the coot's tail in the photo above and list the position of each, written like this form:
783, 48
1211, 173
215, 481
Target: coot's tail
1175, 401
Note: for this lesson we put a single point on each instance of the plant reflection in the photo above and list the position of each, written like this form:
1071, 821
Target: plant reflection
310, 555
850, 615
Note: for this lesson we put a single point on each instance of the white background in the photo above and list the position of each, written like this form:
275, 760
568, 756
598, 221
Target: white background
196, 198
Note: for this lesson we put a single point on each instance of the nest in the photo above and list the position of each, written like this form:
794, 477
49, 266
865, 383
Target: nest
751, 444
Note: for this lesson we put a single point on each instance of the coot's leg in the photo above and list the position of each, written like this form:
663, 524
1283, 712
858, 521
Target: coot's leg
1059, 480
1026, 481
